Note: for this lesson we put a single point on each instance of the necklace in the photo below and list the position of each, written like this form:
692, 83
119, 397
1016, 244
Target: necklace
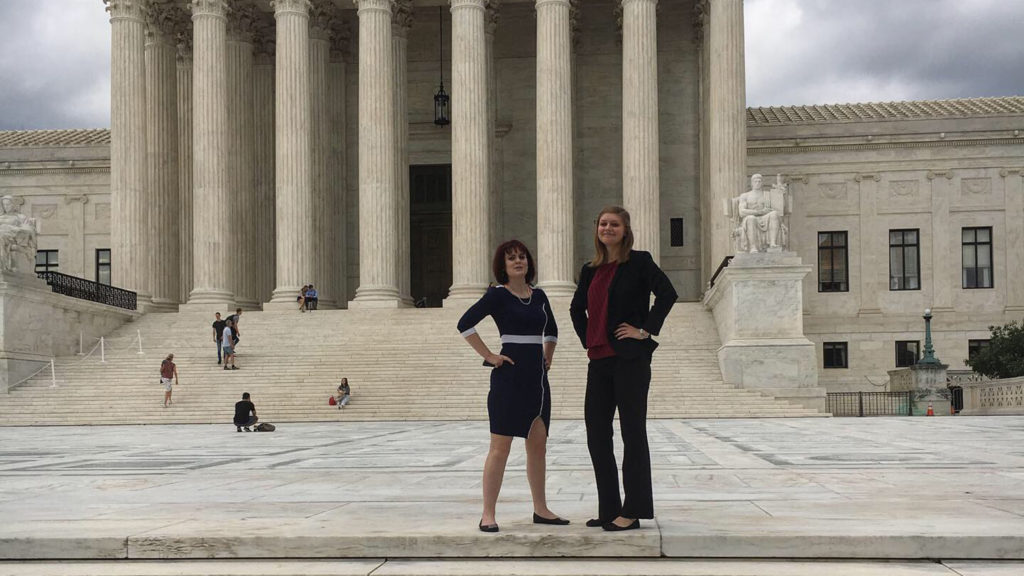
523, 301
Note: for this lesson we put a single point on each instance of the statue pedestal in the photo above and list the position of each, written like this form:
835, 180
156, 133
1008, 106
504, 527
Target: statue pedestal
927, 384
757, 302
37, 325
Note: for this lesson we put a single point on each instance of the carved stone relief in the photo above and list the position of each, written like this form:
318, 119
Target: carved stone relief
976, 187
904, 189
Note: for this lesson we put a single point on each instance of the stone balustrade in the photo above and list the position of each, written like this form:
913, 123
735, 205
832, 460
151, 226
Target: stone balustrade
994, 397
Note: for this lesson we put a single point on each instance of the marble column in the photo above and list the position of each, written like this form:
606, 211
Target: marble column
640, 142
293, 164
470, 154
323, 203
162, 154
494, 175
242, 157
400, 24
1013, 193
378, 195
130, 226
263, 132
211, 204
184, 84
727, 124
555, 222
337, 71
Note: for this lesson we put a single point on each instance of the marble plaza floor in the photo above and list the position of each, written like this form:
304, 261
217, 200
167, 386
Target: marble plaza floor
911, 490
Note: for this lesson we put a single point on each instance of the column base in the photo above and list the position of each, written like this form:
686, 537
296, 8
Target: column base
370, 297
206, 300
162, 305
558, 289
249, 304
464, 292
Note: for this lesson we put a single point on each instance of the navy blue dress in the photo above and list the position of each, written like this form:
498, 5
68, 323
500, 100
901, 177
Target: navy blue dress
519, 392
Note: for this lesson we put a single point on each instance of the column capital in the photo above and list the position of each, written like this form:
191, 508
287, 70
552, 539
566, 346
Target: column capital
468, 4
183, 39
210, 8
492, 16
242, 24
126, 9
302, 7
372, 5
264, 38
701, 11
162, 22
628, 2
401, 18
341, 37
320, 15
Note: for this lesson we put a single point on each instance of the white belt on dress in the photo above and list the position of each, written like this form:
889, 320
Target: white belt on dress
531, 339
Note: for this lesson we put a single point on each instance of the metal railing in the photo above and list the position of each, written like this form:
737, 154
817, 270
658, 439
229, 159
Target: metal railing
870, 403
88, 290
725, 262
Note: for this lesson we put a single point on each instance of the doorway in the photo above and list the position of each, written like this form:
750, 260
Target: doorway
430, 233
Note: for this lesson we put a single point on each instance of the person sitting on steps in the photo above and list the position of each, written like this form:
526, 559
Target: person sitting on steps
344, 394
245, 413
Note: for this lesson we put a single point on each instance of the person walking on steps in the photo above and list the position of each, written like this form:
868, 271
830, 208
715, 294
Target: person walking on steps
218, 331
227, 342
168, 377
613, 317
519, 402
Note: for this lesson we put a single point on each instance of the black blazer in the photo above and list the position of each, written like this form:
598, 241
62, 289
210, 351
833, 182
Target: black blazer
629, 297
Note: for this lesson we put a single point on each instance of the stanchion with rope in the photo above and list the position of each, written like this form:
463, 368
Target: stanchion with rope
79, 343
53, 375
138, 334
103, 351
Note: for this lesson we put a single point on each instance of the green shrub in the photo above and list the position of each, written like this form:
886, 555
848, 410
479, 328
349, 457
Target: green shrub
1004, 355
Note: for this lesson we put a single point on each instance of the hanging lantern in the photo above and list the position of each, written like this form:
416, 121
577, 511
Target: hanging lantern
442, 115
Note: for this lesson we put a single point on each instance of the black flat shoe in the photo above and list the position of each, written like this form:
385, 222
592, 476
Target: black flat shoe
538, 519
596, 523
613, 527
488, 528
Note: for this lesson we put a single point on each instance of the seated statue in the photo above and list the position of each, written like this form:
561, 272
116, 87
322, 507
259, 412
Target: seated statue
17, 238
761, 217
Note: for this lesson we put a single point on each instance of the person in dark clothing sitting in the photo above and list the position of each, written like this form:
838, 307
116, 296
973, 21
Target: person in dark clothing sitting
245, 413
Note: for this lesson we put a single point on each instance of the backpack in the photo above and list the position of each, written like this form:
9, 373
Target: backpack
332, 401
265, 427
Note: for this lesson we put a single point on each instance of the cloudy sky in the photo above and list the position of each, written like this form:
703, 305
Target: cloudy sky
55, 55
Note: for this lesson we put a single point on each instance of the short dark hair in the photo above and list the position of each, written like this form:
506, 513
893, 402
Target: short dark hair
245, 395
238, 310
506, 248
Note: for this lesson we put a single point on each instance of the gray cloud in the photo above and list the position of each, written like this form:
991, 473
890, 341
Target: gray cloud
55, 55
832, 51
54, 64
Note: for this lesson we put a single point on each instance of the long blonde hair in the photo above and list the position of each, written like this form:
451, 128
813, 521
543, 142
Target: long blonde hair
600, 252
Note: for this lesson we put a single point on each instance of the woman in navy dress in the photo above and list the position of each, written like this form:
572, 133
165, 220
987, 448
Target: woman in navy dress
519, 402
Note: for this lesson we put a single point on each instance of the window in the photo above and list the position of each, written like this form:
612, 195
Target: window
975, 346
977, 257
833, 272
103, 265
46, 260
904, 260
835, 354
908, 352
676, 225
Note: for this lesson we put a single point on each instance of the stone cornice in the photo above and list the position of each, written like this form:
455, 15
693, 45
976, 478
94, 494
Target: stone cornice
209, 8
126, 9
754, 149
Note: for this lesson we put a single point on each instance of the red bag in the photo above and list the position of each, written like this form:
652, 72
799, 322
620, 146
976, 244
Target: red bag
332, 401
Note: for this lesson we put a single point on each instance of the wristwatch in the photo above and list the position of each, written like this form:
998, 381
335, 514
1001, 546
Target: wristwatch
644, 334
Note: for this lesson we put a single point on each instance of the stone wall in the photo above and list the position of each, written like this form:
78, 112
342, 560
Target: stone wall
866, 178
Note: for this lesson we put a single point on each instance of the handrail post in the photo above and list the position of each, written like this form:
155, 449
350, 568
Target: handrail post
80, 351
103, 351
53, 375
138, 333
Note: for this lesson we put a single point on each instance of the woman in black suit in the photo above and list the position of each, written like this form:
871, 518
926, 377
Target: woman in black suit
612, 315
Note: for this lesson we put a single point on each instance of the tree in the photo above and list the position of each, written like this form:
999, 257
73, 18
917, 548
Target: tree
1004, 355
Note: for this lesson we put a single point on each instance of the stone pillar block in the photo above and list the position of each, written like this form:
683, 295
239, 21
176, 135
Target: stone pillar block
927, 382
757, 302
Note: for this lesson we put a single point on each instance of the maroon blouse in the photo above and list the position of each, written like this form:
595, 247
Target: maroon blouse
598, 345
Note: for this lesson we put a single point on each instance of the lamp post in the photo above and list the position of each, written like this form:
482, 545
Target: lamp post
929, 351
441, 115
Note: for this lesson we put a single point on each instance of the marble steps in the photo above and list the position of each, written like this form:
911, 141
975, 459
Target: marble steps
291, 362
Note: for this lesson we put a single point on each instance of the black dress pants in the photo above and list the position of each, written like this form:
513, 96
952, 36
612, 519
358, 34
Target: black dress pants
619, 383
